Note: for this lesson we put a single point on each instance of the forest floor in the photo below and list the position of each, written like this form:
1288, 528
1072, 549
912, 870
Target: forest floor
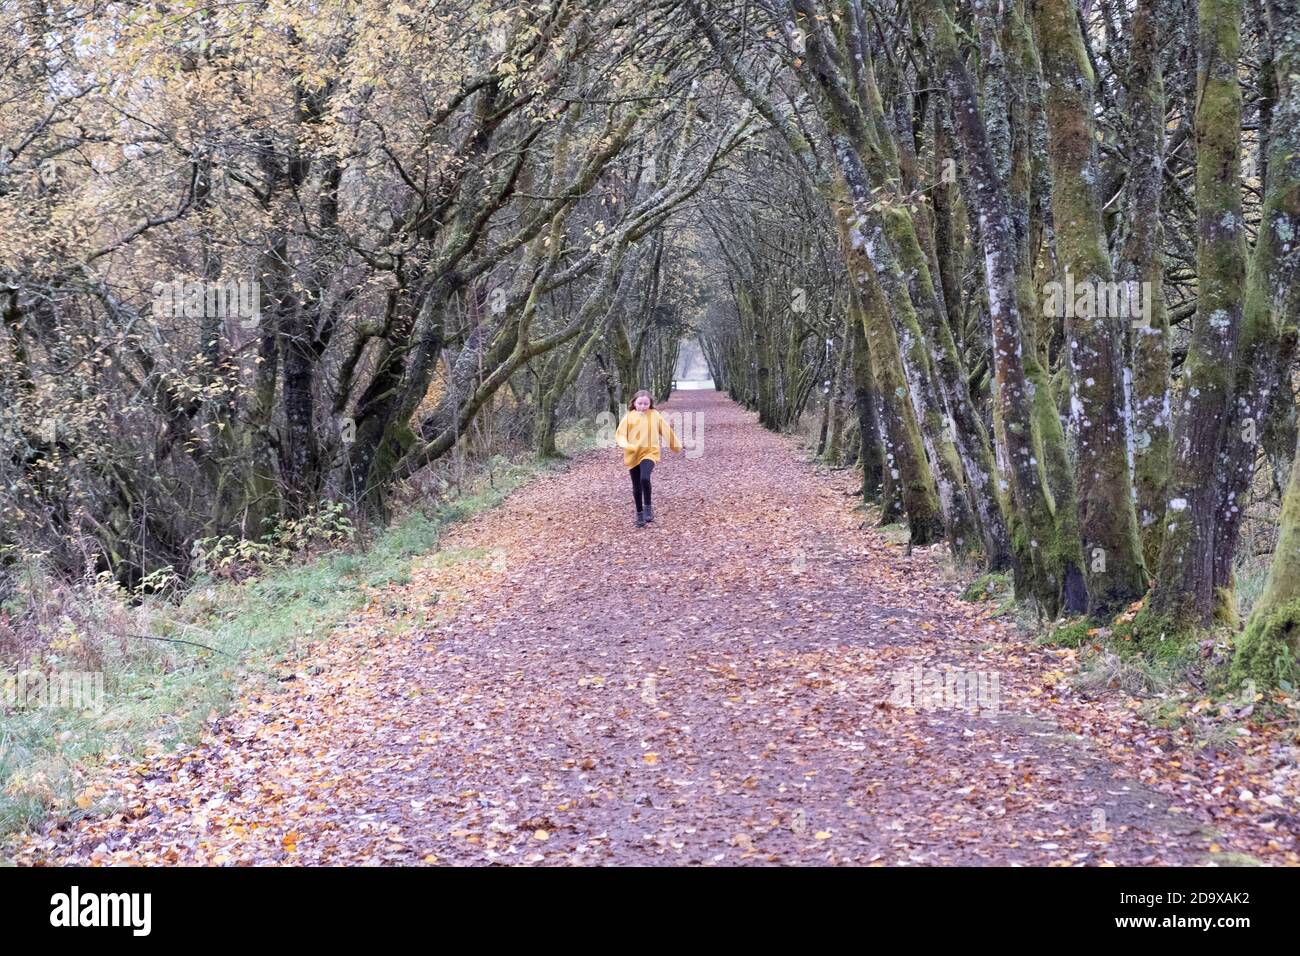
555, 686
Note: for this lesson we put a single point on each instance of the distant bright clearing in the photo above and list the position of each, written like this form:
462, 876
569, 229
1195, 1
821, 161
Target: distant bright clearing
696, 383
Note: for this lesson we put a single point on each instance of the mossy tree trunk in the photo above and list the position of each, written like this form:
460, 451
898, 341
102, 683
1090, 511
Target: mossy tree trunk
565, 369
905, 461
1094, 334
1029, 187
916, 243
1184, 599
1141, 262
1269, 650
1272, 299
1047, 550
883, 240
871, 455
851, 195
832, 450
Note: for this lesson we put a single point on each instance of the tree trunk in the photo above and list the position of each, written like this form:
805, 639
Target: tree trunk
1094, 333
1269, 650
905, 460
1044, 535
871, 455
1184, 599
1142, 262
1272, 299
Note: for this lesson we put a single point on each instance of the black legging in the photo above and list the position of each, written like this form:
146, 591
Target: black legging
641, 482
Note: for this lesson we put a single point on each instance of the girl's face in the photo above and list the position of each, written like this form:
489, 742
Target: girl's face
642, 403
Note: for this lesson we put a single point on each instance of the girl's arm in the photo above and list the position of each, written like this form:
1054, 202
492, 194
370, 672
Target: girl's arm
620, 436
673, 441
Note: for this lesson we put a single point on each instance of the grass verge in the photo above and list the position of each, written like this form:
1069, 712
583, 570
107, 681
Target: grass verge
160, 687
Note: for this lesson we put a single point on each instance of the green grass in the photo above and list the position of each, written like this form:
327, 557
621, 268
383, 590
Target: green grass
1132, 673
1249, 576
158, 695
897, 533
992, 587
1071, 633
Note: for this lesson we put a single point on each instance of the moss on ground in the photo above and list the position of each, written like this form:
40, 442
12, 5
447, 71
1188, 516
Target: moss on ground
1266, 652
1073, 633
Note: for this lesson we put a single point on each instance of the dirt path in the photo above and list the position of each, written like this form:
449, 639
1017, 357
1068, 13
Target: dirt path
712, 689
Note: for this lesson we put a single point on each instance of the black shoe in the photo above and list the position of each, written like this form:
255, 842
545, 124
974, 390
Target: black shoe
649, 514
640, 519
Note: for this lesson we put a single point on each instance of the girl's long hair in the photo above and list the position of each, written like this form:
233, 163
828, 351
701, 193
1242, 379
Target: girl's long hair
631, 406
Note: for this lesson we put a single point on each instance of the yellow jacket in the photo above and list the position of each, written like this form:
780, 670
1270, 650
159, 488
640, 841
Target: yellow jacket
639, 434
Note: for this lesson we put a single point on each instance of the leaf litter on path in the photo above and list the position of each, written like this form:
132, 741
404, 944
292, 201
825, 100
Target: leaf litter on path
721, 687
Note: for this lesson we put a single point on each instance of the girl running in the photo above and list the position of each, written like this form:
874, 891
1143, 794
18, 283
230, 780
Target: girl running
638, 435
